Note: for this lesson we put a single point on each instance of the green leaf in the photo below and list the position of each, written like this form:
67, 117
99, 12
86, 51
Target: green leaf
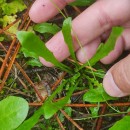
13, 7
123, 124
46, 28
82, 2
7, 20
2, 1
97, 95
28, 124
66, 30
34, 62
1, 39
13, 29
94, 110
48, 105
13, 111
36, 48
128, 109
106, 48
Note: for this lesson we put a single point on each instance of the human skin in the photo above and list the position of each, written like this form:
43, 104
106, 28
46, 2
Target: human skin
92, 26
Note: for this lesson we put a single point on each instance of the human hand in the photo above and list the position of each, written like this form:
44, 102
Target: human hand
92, 26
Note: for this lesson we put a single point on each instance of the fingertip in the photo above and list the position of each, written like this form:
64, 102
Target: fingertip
110, 86
83, 55
36, 12
43, 10
86, 52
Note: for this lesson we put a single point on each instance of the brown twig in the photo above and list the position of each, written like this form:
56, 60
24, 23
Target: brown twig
35, 104
58, 81
7, 57
99, 121
11, 62
59, 122
101, 105
71, 120
79, 93
20, 80
19, 92
29, 80
9, 67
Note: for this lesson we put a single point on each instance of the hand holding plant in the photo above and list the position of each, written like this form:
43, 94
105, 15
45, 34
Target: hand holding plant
93, 26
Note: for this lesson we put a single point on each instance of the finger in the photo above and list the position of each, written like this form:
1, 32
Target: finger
126, 39
105, 36
91, 24
121, 45
43, 10
117, 80
113, 55
86, 53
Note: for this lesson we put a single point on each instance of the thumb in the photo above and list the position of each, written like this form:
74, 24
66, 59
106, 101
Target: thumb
117, 80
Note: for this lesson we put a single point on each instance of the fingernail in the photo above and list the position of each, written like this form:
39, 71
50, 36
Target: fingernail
110, 86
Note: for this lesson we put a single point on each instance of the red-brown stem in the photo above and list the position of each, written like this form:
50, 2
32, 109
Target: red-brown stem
59, 122
71, 120
7, 57
99, 121
58, 81
9, 67
95, 105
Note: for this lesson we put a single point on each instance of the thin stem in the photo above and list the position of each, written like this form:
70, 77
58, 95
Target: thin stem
58, 9
105, 115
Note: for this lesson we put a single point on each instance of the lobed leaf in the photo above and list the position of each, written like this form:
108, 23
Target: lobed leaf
36, 48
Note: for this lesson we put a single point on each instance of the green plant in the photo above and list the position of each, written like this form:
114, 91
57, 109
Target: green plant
77, 76
95, 94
